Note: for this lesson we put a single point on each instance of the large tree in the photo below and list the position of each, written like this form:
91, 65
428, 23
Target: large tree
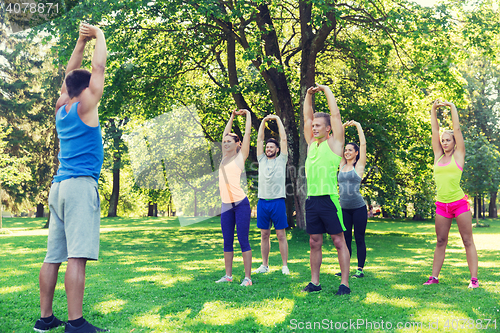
384, 59
482, 115
12, 169
26, 107
482, 168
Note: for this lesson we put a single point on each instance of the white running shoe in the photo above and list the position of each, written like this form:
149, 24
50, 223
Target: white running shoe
285, 270
246, 282
225, 278
262, 269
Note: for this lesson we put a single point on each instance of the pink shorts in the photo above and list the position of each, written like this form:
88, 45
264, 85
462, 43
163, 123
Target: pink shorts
452, 209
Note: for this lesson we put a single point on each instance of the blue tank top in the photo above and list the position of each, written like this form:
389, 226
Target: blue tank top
81, 151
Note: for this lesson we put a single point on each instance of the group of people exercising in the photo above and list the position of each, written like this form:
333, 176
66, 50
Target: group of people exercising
334, 204
326, 210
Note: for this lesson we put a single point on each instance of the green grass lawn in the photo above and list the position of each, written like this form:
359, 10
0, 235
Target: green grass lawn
155, 276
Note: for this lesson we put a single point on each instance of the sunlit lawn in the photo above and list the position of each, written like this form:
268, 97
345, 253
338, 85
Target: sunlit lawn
155, 276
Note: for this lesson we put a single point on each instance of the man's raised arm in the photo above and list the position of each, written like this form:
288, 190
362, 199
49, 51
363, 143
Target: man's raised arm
75, 61
283, 140
96, 85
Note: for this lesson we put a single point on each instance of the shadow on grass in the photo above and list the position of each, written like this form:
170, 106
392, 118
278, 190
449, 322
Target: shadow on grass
396, 268
159, 278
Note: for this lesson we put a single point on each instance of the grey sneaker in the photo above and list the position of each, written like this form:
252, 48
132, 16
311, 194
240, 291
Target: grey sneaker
262, 269
285, 270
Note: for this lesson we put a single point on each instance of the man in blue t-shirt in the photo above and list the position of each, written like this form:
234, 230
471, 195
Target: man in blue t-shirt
272, 193
74, 198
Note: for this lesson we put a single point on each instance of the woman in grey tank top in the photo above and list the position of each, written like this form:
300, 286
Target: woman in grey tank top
353, 205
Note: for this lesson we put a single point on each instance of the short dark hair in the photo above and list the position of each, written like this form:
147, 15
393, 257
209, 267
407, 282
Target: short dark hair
273, 140
76, 81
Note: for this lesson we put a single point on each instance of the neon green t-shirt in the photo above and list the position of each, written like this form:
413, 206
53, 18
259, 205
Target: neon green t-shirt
322, 165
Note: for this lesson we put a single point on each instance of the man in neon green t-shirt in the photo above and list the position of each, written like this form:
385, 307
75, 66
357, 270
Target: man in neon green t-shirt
323, 212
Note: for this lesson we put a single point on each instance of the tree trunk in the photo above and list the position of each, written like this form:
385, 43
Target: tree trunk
115, 194
1, 207
271, 68
311, 44
418, 217
151, 208
492, 212
479, 206
483, 207
476, 212
116, 133
195, 205
281, 97
40, 210
55, 142
475, 206
48, 220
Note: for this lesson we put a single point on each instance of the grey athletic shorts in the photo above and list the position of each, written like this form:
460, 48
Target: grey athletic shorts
75, 217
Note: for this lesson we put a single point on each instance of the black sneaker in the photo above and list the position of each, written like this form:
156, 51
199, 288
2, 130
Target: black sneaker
311, 288
41, 326
343, 290
358, 274
85, 328
338, 274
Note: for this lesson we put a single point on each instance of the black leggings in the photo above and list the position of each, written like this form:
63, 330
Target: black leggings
358, 218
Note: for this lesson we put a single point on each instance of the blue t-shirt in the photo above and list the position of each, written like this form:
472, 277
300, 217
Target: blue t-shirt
81, 151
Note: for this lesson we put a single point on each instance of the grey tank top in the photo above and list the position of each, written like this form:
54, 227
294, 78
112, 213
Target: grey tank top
349, 183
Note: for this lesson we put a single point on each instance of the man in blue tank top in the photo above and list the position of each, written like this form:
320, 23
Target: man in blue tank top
74, 198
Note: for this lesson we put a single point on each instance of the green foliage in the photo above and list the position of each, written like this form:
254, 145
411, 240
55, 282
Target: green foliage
483, 26
483, 92
482, 166
131, 202
12, 169
27, 114
386, 61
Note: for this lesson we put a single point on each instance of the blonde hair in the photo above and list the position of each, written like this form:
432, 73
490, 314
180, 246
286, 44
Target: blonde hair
450, 132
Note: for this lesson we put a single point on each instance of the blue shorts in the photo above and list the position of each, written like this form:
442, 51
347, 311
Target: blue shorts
271, 210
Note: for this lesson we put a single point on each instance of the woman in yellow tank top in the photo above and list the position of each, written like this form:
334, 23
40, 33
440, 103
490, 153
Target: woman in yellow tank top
449, 159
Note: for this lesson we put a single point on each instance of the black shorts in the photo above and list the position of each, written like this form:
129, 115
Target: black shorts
323, 215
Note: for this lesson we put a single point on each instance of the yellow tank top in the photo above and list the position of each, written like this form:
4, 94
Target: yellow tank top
447, 178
